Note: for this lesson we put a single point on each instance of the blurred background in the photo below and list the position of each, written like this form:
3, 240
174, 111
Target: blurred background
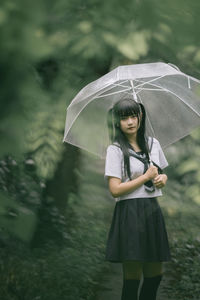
55, 209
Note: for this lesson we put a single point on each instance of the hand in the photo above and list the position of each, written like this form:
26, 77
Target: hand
160, 180
152, 172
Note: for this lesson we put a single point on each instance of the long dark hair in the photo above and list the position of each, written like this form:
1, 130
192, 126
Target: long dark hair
123, 108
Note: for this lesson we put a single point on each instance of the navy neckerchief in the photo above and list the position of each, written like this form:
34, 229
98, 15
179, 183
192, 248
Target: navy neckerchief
149, 186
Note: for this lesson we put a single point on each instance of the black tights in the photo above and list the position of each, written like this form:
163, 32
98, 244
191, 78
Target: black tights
149, 287
132, 273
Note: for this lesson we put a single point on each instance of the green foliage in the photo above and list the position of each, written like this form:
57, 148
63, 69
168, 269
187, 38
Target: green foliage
182, 222
44, 140
25, 206
22, 44
187, 170
20, 197
68, 272
49, 51
186, 267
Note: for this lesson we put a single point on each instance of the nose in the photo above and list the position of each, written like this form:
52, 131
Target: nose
130, 120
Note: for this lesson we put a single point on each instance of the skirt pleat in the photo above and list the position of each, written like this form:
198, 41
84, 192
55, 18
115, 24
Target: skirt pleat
137, 232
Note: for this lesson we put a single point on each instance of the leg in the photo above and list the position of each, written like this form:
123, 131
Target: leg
152, 272
151, 269
132, 272
132, 269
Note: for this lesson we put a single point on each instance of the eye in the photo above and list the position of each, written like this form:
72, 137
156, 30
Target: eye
126, 117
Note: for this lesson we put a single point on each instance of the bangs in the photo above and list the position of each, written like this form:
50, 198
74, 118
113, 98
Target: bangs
127, 108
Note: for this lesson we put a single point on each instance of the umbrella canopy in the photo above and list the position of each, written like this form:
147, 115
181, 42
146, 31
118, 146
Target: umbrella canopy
171, 99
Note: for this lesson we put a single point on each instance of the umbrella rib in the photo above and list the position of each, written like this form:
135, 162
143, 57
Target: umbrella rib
148, 89
113, 85
96, 96
120, 84
77, 115
117, 84
86, 105
113, 93
187, 104
108, 87
147, 82
159, 88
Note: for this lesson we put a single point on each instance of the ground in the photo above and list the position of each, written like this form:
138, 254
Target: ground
111, 284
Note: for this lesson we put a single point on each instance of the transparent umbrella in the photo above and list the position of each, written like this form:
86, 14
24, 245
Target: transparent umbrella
171, 99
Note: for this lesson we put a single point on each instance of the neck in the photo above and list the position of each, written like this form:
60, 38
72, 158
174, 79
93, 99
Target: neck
132, 138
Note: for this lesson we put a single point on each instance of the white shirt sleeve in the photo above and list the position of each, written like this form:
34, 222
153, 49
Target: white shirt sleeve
113, 163
162, 158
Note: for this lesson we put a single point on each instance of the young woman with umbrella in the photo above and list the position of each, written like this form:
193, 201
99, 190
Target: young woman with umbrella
137, 236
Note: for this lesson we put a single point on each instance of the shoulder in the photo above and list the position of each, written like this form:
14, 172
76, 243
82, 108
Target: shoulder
154, 145
114, 147
114, 150
154, 141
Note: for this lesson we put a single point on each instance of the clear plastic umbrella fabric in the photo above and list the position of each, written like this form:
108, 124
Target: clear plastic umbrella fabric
171, 99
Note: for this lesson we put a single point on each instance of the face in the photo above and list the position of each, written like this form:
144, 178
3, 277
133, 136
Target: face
129, 125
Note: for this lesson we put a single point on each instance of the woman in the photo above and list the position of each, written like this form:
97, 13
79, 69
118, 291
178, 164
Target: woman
137, 236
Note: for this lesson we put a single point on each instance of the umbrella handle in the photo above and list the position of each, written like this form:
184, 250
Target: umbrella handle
151, 163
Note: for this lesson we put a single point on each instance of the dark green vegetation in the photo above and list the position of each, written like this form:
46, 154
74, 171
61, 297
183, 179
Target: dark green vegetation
55, 216
182, 220
66, 260
181, 209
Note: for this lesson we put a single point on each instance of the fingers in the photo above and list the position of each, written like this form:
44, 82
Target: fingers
159, 184
155, 170
157, 178
159, 181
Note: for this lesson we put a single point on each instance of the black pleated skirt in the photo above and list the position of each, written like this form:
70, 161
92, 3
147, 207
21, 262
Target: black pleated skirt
137, 232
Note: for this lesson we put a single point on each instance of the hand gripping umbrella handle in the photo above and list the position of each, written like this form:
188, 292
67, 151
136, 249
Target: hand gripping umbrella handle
160, 171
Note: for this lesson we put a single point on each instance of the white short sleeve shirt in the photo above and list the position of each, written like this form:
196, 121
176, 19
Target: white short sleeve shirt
114, 167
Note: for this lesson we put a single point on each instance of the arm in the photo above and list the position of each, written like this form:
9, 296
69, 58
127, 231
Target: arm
118, 188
